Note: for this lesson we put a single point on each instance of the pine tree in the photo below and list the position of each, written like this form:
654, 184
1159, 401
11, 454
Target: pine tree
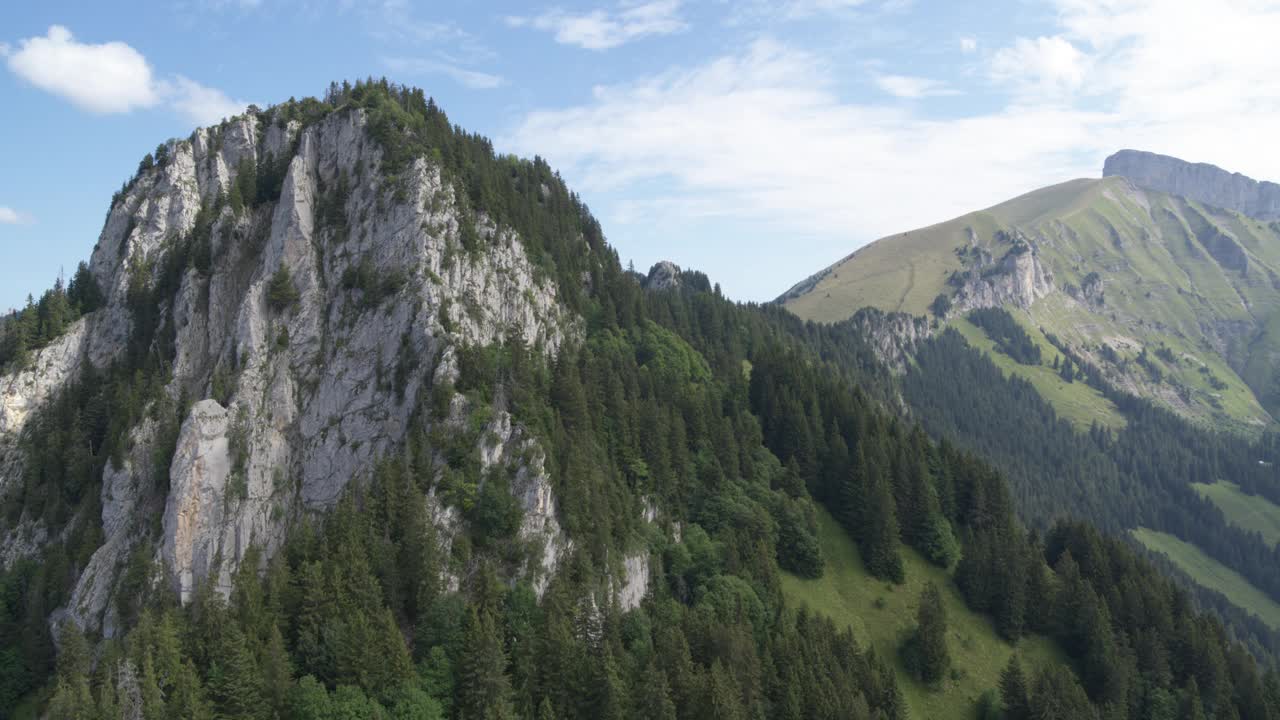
880, 544
1192, 705
724, 702
484, 691
72, 701
277, 673
1058, 696
1013, 691
653, 695
927, 654
234, 682
186, 697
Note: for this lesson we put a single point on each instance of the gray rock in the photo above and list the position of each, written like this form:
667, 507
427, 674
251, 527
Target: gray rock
664, 275
315, 393
1201, 182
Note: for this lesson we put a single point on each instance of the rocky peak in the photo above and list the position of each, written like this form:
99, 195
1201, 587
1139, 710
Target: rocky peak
292, 400
1201, 182
664, 275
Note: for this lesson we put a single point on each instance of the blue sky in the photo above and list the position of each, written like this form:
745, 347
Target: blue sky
757, 141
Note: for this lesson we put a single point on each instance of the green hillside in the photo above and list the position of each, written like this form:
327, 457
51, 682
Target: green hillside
1075, 401
1250, 512
881, 614
1211, 574
1128, 270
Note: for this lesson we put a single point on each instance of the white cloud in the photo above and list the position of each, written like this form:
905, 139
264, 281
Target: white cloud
912, 88
809, 8
111, 78
9, 216
1047, 65
763, 136
603, 30
968, 44
470, 78
107, 78
202, 105
1192, 79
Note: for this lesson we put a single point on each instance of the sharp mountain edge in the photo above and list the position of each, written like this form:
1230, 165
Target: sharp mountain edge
1159, 256
310, 407
312, 282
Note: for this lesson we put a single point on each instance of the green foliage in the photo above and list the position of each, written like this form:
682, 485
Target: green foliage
25, 331
374, 285
940, 306
652, 409
1008, 335
925, 652
281, 292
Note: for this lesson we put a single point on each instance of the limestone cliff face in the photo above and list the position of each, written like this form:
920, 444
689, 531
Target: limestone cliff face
1204, 183
1018, 279
892, 336
294, 402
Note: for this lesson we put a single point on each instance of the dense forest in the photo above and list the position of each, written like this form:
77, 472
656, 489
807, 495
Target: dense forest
731, 420
1136, 477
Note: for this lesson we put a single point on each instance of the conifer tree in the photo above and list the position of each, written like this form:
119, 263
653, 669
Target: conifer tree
653, 695
1013, 691
880, 543
484, 691
234, 682
926, 651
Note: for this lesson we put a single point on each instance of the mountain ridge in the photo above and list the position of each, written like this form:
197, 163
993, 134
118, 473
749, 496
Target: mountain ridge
1109, 268
1202, 182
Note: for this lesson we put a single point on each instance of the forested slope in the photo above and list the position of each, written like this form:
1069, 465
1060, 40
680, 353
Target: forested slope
668, 444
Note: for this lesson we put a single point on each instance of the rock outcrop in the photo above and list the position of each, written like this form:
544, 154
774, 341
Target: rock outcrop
1018, 279
293, 401
664, 275
893, 336
1201, 182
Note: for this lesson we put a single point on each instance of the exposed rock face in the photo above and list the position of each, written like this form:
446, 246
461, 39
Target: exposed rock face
635, 581
893, 336
310, 395
1202, 182
664, 275
507, 446
1018, 279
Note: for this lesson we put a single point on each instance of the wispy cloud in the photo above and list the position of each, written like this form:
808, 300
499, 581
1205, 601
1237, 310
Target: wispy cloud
199, 104
1047, 65
9, 216
764, 135
768, 135
603, 30
111, 78
463, 76
968, 44
913, 88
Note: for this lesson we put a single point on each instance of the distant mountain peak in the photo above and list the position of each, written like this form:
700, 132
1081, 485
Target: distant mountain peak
1201, 182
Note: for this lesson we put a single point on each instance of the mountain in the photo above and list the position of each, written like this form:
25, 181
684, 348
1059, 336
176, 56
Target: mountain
1201, 182
350, 416
1170, 297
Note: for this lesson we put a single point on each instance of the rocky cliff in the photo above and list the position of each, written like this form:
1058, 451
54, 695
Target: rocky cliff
1201, 182
298, 335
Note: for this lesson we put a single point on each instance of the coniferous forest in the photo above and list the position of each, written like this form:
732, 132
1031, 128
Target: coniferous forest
736, 422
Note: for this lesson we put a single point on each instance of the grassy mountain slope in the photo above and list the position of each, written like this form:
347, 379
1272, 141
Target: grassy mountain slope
882, 614
1211, 574
1251, 512
1075, 401
1130, 270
